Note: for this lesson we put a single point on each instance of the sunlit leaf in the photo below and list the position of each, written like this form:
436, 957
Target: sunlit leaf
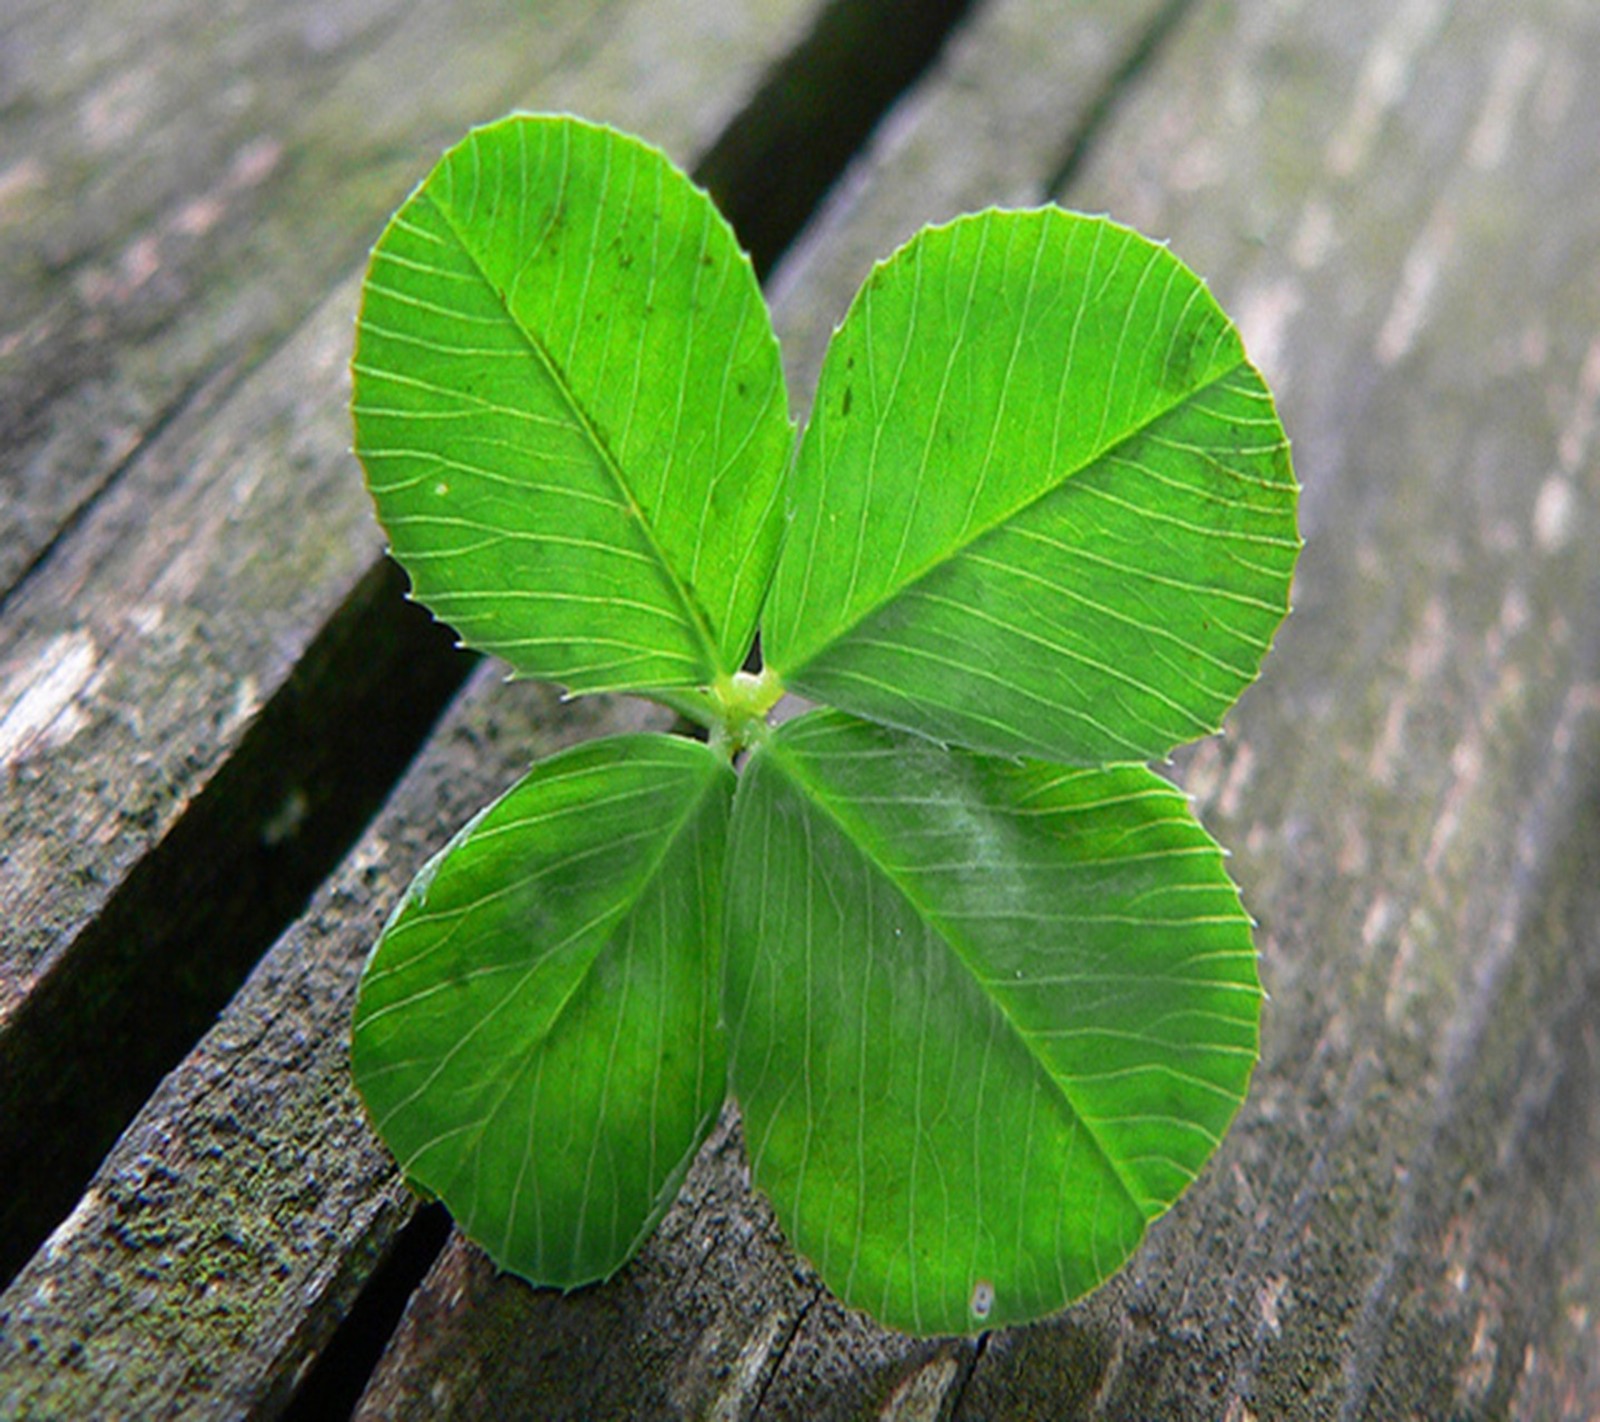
987, 1018
1043, 506
569, 404
536, 1036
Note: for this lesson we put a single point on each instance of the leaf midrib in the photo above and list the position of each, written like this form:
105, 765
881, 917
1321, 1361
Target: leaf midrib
692, 615
859, 835
796, 673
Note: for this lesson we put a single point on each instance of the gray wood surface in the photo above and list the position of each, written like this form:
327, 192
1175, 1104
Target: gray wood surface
235, 1223
1400, 203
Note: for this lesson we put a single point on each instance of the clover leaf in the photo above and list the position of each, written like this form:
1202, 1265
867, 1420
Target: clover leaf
976, 976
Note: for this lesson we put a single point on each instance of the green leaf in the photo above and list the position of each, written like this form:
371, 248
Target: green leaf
570, 407
536, 1036
986, 1018
1043, 506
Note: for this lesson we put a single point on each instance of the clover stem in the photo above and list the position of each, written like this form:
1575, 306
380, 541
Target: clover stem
742, 702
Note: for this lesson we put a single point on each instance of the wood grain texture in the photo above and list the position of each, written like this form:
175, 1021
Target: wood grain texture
1412, 794
186, 186
1398, 203
1397, 207
228, 1233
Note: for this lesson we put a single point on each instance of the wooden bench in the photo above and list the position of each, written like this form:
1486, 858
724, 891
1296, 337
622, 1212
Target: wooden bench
227, 742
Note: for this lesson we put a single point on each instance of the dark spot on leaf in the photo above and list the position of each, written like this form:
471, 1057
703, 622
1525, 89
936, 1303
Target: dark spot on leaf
844, 406
1181, 361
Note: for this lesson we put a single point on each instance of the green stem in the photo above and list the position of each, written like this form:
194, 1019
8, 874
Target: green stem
741, 704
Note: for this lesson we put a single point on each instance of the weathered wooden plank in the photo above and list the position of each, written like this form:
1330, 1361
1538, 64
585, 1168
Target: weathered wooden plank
220, 1244
769, 171
188, 601
136, 192
687, 1329
1420, 1150
1404, 1221
1409, 792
